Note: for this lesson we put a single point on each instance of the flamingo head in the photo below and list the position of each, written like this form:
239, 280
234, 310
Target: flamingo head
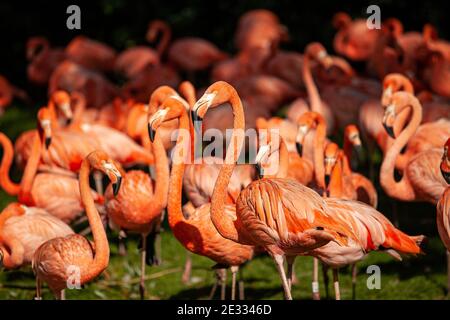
45, 126
269, 144
318, 53
172, 108
305, 123
62, 101
351, 134
330, 157
392, 83
99, 160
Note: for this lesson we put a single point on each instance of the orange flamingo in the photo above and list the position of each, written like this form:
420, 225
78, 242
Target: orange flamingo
54, 259
188, 54
313, 52
57, 194
43, 60
70, 77
265, 216
443, 207
353, 39
137, 207
116, 143
421, 180
91, 54
196, 232
23, 229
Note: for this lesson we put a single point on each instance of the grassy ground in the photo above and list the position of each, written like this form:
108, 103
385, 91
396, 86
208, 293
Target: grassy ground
422, 277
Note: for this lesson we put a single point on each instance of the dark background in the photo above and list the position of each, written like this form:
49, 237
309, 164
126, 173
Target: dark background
122, 23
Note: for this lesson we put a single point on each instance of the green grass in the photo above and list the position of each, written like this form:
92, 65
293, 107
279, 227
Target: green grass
422, 277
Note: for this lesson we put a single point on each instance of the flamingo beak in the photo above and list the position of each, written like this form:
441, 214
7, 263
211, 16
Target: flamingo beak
67, 111
155, 121
389, 113
261, 157
47, 132
299, 147
116, 186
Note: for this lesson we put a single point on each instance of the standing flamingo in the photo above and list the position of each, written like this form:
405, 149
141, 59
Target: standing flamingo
23, 229
267, 211
196, 232
421, 180
137, 207
54, 259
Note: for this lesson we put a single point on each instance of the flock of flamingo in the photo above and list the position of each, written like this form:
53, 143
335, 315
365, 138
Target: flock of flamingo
316, 204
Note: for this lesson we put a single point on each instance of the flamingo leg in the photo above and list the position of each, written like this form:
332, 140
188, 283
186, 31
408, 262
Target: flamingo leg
234, 270
122, 245
38, 289
214, 287
280, 267
354, 277
186, 278
337, 292
143, 263
60, 295
158, 230
448, 273
241, 285
326, 280
315, 282
290, 270
223, 283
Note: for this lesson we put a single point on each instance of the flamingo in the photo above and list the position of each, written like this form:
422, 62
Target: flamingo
313, 52
443, 207
265, 215
133, 61
91, 54
188, 54
421, 180
116, 143
137, 207
43, 60
353, 39
196, 232
54, 259
70, 77
56, 194
23, 229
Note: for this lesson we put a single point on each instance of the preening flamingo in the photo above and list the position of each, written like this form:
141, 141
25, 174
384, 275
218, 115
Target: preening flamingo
421, 180
55, 260
139, 204
266, 210
443, 207
195, 232
23, 229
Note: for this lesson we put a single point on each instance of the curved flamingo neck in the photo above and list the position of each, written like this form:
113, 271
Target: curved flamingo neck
78, 109
319, 142
101, 257
54, 118
336, 187
402, 189
159, 199
313, 93
223, 223
175, 212
9, 186
348, 148
30, 172
164, 29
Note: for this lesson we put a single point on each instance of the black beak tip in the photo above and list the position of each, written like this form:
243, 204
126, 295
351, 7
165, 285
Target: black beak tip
259, 171
48, 141
116, 186
299, 147
359, 151
389, 130
446, 176
327, 179
151, 133
196, 120
68, 121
